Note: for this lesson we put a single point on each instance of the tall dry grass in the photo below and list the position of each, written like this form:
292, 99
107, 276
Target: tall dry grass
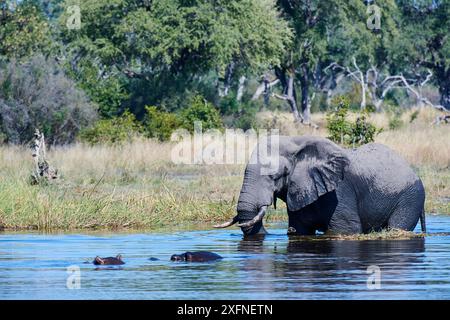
137, 186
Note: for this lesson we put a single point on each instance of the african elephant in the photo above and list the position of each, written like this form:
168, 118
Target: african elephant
330, 189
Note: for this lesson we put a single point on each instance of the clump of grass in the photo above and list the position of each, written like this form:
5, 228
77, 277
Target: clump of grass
388, 234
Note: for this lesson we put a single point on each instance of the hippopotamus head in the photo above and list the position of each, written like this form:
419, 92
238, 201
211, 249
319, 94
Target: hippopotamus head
178, 257
109, 260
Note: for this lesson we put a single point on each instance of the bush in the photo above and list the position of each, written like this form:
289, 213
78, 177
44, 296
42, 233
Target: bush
413, 116
202, 111
395, 122
37, 94
160, 124
246, 120
113, 131
363, 132
229, 105
107, 92
345, 132
394, 115
337, 125
242, 116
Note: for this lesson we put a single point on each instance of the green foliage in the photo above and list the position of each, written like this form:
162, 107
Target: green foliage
237, 114
246, 118
337, 125
395, 122
203, 111
112, 131
107, 92
345, 132
23, 30
363, 132
414, 116
160, 124
394, 115
158, 47
425, 43
229, 105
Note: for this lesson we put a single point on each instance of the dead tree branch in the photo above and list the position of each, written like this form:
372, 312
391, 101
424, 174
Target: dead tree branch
43, 172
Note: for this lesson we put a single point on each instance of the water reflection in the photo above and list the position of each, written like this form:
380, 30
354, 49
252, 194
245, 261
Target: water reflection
328, 265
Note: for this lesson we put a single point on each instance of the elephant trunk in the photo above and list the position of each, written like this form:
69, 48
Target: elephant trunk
252, 204
253, 201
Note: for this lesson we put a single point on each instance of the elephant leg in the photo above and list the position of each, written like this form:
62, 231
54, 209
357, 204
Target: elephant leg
409, 208
345, 218
404, 218
298, 227
345, 223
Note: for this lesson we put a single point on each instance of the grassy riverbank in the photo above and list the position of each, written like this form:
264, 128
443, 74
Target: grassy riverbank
137, 186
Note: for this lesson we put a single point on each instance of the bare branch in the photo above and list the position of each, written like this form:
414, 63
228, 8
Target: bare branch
263, 87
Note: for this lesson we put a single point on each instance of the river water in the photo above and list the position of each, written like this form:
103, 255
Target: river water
35, 266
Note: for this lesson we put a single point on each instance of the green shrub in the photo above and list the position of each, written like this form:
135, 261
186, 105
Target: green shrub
370, 108
112, 131
246, 120
160, 124
229, 105
394, 114
395, 122
413, 116
363, 132
337, 125
202, 111
243, 116
345, 132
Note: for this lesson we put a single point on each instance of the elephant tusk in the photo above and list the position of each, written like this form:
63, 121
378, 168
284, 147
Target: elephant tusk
226, 224
255, 220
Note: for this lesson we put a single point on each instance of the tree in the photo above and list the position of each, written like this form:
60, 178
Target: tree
426, 42
308, 20
162, 47
363, 48
315, 25
24, 30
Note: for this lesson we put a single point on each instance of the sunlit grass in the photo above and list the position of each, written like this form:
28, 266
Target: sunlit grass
137, 186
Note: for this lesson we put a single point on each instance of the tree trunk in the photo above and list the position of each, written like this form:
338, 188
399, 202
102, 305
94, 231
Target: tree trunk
363, 94
305, 105
444, 89
227, 79
241, 87
292, 98
289, 93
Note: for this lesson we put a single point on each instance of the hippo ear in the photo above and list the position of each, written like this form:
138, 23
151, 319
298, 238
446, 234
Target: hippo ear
119, 257
99, 260
319, 167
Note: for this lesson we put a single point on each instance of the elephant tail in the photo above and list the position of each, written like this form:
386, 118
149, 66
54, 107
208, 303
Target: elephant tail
422, 221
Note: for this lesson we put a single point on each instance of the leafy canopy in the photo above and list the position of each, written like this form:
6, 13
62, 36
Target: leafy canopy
24, 30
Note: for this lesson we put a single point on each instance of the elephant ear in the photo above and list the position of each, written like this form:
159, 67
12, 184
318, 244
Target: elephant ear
319, 167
